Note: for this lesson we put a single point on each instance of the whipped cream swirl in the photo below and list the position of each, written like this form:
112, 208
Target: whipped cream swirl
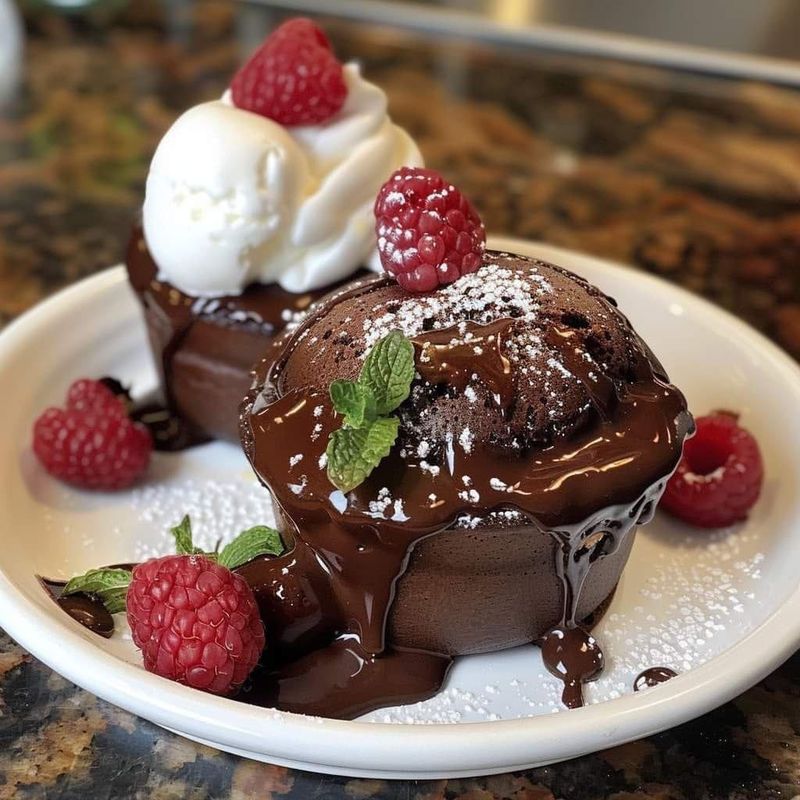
234, 198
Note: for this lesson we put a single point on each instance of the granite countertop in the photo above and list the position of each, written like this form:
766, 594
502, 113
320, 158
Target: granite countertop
691, 178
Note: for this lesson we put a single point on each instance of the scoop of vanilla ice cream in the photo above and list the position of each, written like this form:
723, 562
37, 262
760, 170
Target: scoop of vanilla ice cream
224, 186
234, 198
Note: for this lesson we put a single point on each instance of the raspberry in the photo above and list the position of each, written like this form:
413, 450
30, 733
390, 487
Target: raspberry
89, 395
719, 478
428, 232
91, 443
195, 622
293, 78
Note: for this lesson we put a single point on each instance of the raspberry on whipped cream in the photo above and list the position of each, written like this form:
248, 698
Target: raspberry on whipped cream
234, 198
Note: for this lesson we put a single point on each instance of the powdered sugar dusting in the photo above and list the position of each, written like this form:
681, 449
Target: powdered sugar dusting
473, 296
219, 510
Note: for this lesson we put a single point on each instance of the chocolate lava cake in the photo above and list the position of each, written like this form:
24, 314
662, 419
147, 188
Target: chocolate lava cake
539, 432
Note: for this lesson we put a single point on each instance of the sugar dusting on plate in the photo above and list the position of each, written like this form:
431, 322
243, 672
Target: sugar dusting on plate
219, 510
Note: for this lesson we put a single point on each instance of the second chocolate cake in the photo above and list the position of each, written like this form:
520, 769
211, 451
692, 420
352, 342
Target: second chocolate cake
205, 348
540, 430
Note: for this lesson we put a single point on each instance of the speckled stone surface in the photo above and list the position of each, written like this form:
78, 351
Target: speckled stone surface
692, 178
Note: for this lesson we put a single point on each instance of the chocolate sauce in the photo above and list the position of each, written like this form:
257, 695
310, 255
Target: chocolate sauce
453, 355
261, 308
237, 331
340, 681
83, 608
587, 491
574, 656
652, 677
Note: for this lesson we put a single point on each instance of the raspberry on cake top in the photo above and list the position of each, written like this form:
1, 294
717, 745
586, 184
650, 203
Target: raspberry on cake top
276, 181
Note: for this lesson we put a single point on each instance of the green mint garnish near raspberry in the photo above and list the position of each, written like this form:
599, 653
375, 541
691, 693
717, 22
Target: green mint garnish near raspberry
182, 533
110, 585
258, 541
369, 431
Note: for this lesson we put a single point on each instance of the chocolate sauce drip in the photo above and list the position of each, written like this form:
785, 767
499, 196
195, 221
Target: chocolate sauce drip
587, 491
574, 656
652, 677
86, 609
453, 355
261, 308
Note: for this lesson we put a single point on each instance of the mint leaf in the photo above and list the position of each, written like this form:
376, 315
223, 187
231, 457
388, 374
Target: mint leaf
183, 538
354, 401
354, 452
368, 433
110, 585
388, 371
258, 541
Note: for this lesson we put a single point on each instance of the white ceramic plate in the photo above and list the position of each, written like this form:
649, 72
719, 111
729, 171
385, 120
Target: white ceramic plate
721, 608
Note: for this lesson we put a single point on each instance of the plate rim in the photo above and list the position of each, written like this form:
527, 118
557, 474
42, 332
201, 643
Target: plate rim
412, 750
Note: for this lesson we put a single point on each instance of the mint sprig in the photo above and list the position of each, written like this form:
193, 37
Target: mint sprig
258, 541
110, 585
354, 452
182, 534
368, 431
388, 372
354, 401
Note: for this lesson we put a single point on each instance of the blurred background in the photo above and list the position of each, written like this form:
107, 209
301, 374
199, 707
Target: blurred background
664, 134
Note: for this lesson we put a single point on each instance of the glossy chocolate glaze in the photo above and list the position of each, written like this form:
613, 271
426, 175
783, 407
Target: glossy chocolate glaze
169, 431
205, 347
652, 676
588, 491
339, 681
83, 608
447, 356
